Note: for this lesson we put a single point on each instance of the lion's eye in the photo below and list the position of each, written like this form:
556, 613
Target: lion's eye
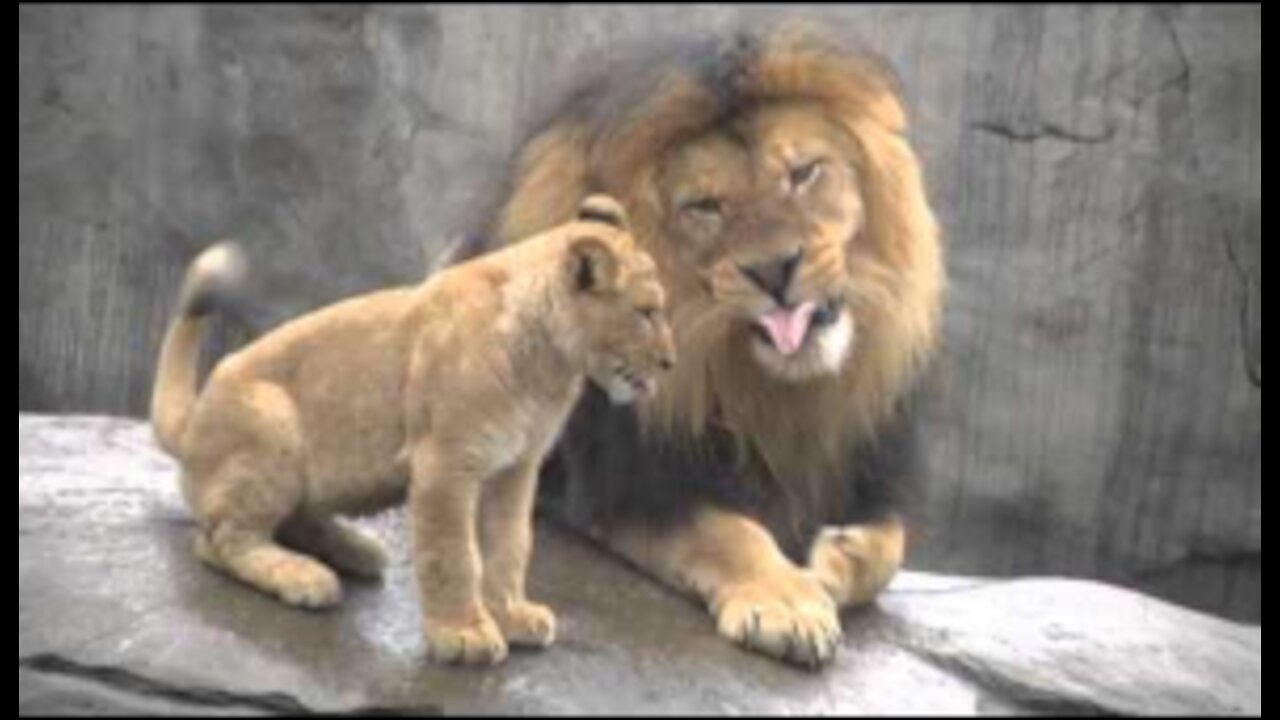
705, 207
805, 175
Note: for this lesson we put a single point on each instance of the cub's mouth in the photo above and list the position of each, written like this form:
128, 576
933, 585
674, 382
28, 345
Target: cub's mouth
625, 385
789, 329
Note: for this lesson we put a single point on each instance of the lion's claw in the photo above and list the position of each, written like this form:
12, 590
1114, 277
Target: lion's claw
788, 617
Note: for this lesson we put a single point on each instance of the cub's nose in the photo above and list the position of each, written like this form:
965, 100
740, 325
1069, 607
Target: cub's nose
776, 276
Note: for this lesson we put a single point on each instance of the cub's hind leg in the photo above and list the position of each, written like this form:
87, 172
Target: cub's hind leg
243, 478
251, 555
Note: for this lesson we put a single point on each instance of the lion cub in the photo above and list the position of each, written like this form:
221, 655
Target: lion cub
448, 395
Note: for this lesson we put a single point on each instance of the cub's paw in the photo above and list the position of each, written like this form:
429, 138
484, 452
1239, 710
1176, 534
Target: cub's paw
349, 550
786, 615
856, 564
477, 643
527, 625
360, 555
308, 585
295, 580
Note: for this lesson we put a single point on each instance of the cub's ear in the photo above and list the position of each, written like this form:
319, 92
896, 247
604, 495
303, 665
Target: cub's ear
593, 266
604, 210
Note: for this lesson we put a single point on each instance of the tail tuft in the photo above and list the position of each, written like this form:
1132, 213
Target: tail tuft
214, 280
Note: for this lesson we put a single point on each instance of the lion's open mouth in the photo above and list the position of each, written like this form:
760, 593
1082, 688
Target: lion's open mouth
787, 330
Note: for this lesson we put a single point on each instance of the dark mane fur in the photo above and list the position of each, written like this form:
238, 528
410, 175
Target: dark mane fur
863, 462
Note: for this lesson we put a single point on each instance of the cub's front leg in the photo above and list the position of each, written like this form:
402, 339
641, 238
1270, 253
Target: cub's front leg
444, 500
506, 525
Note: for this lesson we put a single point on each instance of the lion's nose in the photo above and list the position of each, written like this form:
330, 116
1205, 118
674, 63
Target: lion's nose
775, 277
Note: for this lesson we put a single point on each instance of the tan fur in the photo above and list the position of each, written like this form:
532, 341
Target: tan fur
449, 394
856, 564
870, 240
760, 600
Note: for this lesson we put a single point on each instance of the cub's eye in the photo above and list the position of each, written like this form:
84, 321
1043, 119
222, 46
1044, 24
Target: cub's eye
804, 176
704, 207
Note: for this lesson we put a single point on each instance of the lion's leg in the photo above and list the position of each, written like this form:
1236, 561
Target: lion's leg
855, 564
760, 600
444, 500
348, 550
507, 537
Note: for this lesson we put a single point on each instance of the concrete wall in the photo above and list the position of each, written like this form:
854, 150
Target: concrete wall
1098, 170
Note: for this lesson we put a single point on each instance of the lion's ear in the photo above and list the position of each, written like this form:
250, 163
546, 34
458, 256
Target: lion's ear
593, 266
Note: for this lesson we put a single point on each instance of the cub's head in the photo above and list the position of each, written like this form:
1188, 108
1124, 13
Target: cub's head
617, 308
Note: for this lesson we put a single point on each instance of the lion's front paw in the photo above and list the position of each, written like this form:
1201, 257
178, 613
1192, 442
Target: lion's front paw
476, 643
527, 625
787, 616
856, 564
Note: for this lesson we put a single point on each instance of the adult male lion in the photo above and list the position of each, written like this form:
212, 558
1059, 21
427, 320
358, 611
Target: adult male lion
770, 179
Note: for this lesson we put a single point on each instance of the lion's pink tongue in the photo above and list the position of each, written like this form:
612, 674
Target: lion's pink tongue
789, 328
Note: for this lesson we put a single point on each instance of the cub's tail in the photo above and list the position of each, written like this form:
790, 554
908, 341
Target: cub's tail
216, 275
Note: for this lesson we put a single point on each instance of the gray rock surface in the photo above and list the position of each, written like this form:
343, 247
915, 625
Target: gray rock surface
115, 615
1098, 171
